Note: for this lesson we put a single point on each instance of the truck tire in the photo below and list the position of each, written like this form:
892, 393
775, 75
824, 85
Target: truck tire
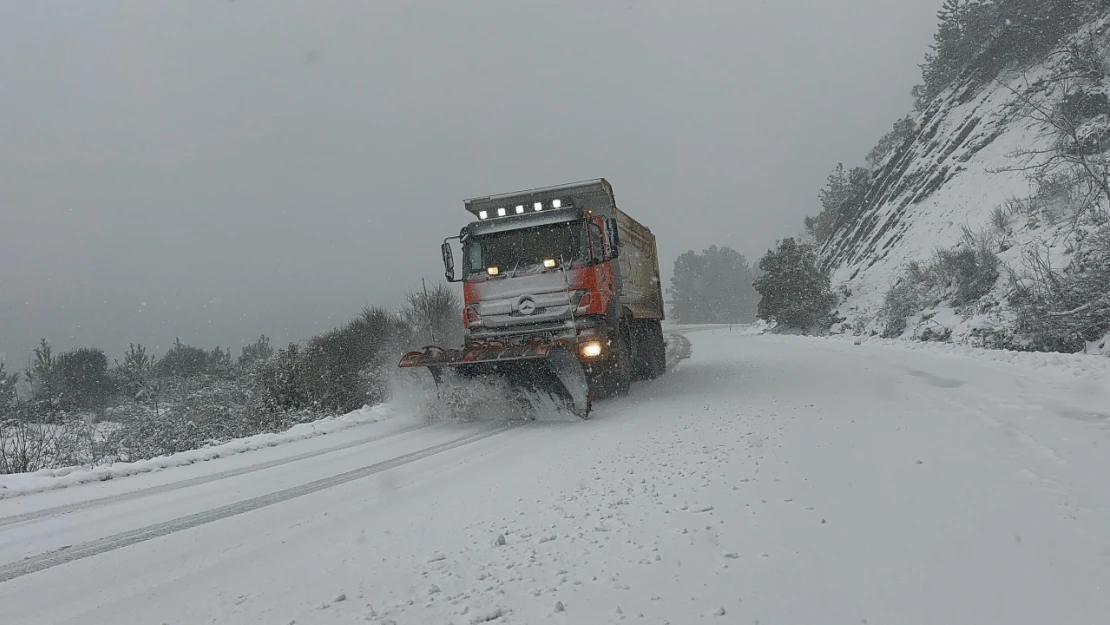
622, 370
647, 335
614, 378
653, 349
658, 349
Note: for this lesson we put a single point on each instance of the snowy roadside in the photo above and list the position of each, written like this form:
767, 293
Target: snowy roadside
51, 479
1051, 364
1093, 367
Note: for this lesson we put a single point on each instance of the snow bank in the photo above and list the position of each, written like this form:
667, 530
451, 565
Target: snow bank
1055, 365
51, 479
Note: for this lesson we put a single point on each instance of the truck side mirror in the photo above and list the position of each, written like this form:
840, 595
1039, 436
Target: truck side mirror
614, 239
448, 262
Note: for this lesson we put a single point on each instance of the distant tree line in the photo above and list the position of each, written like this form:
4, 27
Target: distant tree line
78, 408
976, 39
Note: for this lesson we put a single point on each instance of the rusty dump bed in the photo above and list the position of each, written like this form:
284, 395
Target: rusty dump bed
637, 270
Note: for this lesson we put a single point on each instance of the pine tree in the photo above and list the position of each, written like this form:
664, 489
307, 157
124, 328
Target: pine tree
794, 291
135, 372
8, 384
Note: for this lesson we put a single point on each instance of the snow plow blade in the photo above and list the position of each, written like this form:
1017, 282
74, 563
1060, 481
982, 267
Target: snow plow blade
546, 367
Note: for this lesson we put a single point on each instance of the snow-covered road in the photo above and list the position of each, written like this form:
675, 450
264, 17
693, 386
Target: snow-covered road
764, 479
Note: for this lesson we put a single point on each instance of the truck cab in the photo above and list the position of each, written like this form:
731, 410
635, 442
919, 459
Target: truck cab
563, 264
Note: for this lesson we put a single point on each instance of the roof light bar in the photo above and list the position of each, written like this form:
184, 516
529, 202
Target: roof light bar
519, 209
556, 203
501, 212
483, 215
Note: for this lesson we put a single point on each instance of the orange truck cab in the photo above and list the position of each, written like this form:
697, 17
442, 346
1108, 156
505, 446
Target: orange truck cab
558, 265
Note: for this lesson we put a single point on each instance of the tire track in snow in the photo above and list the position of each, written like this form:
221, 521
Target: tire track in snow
65, 555
203, 479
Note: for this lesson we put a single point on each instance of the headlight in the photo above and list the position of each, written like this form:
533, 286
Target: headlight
591, 349
549, 262
493, 271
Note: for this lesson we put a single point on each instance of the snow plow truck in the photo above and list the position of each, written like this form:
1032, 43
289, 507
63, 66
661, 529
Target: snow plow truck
561, 295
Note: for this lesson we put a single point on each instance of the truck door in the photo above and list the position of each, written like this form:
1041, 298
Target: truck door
603, 273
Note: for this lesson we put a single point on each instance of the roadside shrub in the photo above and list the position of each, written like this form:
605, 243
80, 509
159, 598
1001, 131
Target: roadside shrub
960, 276
902, 301
337, 371
27, 446
194, 412
434, 316
1063, 310
969, 274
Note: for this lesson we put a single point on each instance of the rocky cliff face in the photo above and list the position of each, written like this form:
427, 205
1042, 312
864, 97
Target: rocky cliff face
997, 179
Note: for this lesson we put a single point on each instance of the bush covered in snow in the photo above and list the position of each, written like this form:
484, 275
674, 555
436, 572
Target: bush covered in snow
74, 409
1069, 308
959, 277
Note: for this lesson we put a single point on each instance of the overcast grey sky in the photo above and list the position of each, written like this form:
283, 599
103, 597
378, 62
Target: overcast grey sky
216, 169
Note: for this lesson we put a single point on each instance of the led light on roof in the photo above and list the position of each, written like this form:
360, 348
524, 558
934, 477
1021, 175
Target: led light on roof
519, 209
482, 214
500, 212
556, 203
538, 206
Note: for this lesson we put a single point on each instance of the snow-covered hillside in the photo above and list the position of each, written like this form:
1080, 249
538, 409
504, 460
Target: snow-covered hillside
972, 173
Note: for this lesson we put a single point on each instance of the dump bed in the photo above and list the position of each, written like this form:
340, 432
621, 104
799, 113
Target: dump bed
640, 288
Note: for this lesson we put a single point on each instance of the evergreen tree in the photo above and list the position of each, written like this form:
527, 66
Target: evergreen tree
8, 384
256, 353
841, 200
45, 383
713, 287
220, 362
85, 383
794, 291
183, 361
135, 372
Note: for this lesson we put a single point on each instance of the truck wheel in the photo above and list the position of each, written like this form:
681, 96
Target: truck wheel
641, 350
655, 349
622, 371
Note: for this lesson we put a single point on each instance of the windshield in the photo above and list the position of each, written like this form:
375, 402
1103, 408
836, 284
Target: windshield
516, 251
